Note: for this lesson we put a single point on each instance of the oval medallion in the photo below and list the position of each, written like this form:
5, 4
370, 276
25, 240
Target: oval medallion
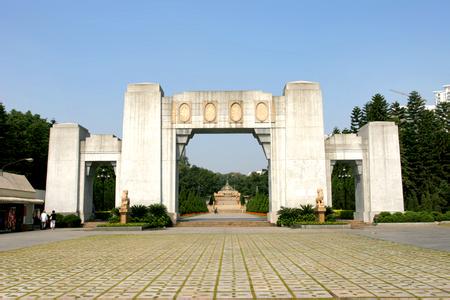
210, 112
235, 112
262, 112
184, 112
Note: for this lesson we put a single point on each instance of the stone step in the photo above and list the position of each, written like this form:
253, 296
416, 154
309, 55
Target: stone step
224, 224
230, 210
90, 225
355, 224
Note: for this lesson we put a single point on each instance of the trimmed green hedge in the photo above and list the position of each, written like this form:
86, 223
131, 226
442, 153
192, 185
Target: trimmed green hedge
143, 225
190, 202
71, 220
303, 215
411, 216
344, 214
259, 203
102, 215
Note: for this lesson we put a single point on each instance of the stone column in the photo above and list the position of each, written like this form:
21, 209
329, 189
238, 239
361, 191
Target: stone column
381, 169
305, 146
141, 145
62, 191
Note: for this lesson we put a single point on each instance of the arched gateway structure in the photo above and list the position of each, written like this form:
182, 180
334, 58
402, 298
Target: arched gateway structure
156, 129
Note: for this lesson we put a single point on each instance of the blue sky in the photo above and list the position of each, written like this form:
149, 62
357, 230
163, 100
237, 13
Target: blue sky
72, 60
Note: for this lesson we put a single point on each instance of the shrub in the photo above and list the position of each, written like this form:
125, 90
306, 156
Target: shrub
290, 216
259, 203
114, 219
115, 212
102, 215
345, 214
190, 202
329, 211
72, 220
307, 209
408, 216
330, 218
60, 223
157, 216
138, 211
442, 217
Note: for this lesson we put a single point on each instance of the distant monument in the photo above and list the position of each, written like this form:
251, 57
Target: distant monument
227, 199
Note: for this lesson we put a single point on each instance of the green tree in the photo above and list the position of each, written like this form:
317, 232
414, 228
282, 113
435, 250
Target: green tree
377, 110
336, 130
25, 135
356, 119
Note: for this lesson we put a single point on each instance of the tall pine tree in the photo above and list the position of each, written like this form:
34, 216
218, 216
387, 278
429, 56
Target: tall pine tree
377, 109
356, 119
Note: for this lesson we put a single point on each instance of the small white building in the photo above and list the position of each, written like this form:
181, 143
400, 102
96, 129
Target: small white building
442, 96
18, 203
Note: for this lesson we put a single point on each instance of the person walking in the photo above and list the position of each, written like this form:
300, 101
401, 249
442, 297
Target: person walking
53, 220
44, 219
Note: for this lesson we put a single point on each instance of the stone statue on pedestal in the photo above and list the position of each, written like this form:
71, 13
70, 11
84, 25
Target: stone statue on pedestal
320, 207
124, 207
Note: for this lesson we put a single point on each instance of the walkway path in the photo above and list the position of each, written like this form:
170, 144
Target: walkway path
221, 263
224, 217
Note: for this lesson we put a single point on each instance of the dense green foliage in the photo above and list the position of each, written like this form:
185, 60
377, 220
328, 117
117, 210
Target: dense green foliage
290, 216
411, 216
205, 182
424, 148
67, 221
259, 203
198, 185
154, 215
343, 214
343, 186
24, 135
104, 188
191, 202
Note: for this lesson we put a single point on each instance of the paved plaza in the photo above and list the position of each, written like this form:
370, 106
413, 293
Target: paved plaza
223, 263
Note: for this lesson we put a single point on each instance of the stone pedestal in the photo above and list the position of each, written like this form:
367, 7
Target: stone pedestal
124, 217
320, 213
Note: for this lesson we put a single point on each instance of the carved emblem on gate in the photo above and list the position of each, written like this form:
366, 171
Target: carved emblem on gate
262, 112
236, 112
184, 112
210, 112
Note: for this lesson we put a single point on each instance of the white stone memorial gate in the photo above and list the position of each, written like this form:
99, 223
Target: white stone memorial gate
156, 129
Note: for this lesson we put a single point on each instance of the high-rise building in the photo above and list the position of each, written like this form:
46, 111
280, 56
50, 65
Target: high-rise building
442, 96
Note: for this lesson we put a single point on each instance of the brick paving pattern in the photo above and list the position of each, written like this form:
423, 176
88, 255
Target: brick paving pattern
225, 265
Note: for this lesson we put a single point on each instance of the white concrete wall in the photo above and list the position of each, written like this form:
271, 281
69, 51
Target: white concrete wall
305, 150
141, 145
63, 167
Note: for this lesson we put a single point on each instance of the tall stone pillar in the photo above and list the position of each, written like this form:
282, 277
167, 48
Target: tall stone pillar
62, 191
305, 148
382, 169
141, 145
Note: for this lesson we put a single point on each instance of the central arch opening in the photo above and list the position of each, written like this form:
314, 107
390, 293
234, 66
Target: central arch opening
223, 176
